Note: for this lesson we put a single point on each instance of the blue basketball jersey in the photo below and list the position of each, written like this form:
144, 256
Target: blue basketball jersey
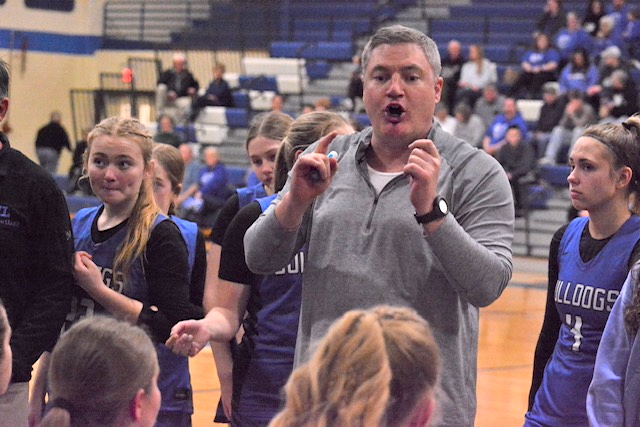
173, 381
584, 295
264, 359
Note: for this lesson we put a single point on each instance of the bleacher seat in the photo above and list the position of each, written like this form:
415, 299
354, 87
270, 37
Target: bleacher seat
237, 118
554, 175
530, 109
211, 133
259, 83
261, 101
213, 116
318, 69
241, 99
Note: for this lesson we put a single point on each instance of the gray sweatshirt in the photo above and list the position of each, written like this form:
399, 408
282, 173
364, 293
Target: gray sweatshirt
366, 249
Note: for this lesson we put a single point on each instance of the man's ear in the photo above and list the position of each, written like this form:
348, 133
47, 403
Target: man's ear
4, 107
135, 407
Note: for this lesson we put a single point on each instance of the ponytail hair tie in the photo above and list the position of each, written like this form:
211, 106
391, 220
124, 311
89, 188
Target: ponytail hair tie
63, 404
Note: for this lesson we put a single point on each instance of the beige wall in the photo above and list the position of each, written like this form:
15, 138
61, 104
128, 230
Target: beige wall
41, 82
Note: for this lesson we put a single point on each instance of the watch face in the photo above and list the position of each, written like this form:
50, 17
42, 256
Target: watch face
442, 204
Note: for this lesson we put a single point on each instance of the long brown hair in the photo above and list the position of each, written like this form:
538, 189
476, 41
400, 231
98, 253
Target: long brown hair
145, 210
170, 159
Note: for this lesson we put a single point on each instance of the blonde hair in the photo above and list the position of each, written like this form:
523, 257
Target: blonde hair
145, 210
371, 369
304, 131
170, 159
96, 369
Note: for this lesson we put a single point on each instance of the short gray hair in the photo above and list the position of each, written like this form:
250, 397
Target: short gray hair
397, 34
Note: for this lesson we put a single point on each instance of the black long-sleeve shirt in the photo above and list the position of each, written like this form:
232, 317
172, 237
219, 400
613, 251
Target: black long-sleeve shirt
36, 252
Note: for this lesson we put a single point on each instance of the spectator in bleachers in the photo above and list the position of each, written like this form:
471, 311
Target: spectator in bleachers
176, 88
577, 115
475, 75
489, 105
277, 103
611, 60
50, 141
207, 196
619, 101
518, 161
494, 137
76, 184
218, 93
591, 21
442, 116
552, 20
579, 74
550, 115
451, 67
618, 9
322, 104
468, 126
538, 66
355, 88
166, 133
192, 166
571, 38
631, 34
605, 38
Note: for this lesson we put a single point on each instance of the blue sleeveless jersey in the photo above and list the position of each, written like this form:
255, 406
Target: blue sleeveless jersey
584, 296
174, 381
264, 359
248, 194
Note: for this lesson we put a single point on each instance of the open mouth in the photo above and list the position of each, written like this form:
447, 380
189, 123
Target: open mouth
394, 111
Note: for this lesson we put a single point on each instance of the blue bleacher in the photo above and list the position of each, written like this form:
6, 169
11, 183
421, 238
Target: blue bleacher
260, 83
241, 99
317, 69
237, 117
329, 51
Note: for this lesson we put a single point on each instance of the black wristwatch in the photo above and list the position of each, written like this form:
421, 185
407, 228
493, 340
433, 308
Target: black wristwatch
440, 210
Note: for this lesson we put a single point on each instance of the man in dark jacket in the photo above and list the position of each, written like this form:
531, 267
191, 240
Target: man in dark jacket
50, 141
176, 90
35, 263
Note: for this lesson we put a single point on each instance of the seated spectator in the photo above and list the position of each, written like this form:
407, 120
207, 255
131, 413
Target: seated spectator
76, 184
619, 101
619, 10
103, 372
442, 116
322, 104
5, 350
591, 21
580, 75
577, 115
175, 90
475, 75
355, 88
631, 34
192, 166
468, 127
518, 161
552, 19
489, 105
605, 38
375, 367
611, 60
538, 66
166, 133
571, 38
550, 115
494, 137
218, 93
451, 67
207, 197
